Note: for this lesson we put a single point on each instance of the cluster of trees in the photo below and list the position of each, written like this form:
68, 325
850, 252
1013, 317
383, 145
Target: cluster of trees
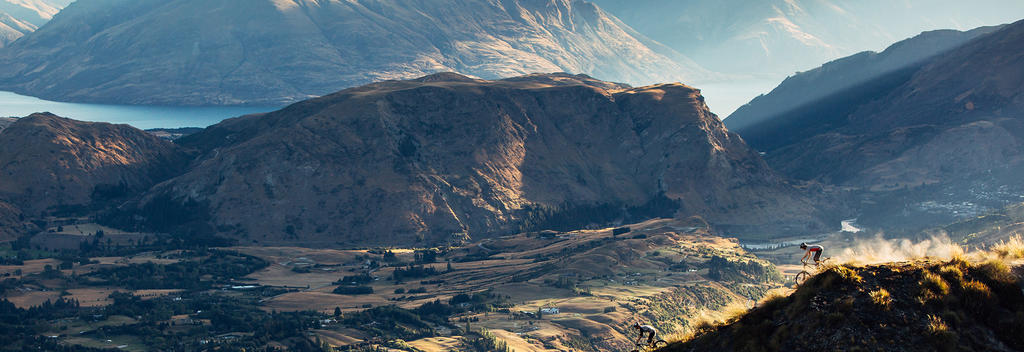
219, 267
749, 271
413, 272
574, 216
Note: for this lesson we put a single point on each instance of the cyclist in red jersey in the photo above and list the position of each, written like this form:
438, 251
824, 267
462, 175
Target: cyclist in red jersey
817, 249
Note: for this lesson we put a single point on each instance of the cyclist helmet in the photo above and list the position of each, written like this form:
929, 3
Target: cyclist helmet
803, 245
636, 325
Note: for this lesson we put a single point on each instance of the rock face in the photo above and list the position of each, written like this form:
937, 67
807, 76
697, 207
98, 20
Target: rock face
186, 52
784, 36
843, 74
49, 163
950, 124
391, 162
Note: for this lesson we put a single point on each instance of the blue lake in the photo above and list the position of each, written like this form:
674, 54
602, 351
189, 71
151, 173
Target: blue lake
140, 116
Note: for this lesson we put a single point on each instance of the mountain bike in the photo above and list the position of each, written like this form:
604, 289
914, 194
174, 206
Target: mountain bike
642, 346
805, 274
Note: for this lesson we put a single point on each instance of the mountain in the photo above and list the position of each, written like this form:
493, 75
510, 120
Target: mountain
405, 161
49, 164
20, 17
34, 12
843, 74
917, 306
942, 137
185, 52
12, 28
775, 37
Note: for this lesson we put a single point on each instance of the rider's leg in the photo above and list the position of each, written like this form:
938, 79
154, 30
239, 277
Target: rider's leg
817, 257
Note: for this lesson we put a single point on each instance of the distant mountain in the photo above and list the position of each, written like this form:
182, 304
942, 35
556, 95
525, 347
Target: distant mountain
273, 52
35, 12
773, 37
12, 28
420, 160
49, 164
20, 17
949, 129
843, 74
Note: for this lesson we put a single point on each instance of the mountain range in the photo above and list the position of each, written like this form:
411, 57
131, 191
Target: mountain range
775, 37
274, 52
945, 130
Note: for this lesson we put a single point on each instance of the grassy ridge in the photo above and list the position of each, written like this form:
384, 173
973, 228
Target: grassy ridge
916, 306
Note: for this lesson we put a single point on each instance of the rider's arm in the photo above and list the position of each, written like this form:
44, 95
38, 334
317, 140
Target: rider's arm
806, 254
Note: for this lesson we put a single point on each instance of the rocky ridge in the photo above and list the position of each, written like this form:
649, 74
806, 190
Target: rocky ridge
421, 160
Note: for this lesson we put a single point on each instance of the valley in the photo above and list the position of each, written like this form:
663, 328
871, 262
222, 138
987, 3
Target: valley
539, 291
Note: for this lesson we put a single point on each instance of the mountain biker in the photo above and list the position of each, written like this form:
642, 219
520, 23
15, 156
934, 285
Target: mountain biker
648, 330
817, 249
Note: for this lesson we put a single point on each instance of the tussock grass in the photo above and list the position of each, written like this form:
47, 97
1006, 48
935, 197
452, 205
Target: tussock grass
933, 287
997, 270
881, 298
1012, 248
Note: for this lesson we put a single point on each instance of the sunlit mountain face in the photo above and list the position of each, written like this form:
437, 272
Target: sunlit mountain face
275, 52
20, 17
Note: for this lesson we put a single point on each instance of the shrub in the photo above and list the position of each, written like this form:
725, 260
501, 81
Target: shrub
933, 287
881, 298
996, 271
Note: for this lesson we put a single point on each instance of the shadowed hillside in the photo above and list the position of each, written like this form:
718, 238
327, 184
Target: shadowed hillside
926, 144
53, 164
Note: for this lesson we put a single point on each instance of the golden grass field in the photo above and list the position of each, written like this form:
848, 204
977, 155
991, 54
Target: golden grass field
599, 282
621, 274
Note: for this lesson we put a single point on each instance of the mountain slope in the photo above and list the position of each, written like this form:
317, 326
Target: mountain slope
782, 36
929, 143
925, 306
396, 161
187, 52
34, 12
11, 29
843, 74
49, 163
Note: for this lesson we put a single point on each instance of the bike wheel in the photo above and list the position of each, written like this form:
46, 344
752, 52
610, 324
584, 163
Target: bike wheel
660, 343
801, 277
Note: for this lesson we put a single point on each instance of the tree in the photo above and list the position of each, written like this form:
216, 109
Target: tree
337, 312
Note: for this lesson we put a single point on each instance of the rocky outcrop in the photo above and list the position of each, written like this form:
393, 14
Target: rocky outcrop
49, 163
403, 161
275, 52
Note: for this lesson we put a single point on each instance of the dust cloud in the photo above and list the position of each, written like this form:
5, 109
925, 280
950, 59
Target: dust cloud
881, 250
